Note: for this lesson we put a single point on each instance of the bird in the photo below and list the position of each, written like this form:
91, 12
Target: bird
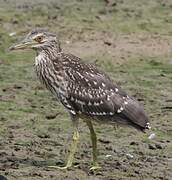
85, 91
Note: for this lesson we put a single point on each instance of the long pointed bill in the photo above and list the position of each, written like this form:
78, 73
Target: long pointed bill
22, 45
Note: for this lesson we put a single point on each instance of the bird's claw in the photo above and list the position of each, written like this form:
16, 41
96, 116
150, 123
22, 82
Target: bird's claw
95, 167
59, 167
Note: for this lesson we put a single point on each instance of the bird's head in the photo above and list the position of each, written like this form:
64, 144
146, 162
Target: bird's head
38, 39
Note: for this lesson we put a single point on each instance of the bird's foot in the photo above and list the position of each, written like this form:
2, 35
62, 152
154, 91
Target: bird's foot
95, 166
59, 167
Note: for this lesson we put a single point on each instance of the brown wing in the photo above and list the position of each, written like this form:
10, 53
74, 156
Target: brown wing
94, 101
88, 76
90, 91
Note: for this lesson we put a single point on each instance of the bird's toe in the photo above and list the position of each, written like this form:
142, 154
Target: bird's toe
59, 167
95, 167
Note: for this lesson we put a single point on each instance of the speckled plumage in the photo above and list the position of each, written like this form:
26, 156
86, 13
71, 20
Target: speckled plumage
85, 90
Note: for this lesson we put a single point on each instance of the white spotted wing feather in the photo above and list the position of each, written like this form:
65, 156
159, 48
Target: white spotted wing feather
91, 92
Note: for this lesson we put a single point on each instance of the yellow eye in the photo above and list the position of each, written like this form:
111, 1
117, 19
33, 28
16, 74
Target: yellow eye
38, 39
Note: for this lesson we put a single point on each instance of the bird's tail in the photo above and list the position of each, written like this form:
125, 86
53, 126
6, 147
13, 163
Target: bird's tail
135, 115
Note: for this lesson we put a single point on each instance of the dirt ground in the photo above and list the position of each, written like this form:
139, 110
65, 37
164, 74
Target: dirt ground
131, 40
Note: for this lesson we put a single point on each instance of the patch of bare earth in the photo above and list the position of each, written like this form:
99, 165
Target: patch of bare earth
120, 47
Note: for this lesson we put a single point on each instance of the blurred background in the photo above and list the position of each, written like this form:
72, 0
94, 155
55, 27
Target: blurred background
129, 39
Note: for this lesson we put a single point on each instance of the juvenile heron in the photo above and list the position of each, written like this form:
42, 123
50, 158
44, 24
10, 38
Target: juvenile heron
84, 91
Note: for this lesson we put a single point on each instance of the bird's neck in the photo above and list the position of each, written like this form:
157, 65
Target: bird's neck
51, 51
49, 76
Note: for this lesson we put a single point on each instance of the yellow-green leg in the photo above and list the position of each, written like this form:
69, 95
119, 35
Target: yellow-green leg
73, 146
94, 145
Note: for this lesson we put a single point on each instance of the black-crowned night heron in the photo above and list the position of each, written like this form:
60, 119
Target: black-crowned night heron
84, 91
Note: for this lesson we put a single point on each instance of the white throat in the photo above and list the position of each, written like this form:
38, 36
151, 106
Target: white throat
40, 58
